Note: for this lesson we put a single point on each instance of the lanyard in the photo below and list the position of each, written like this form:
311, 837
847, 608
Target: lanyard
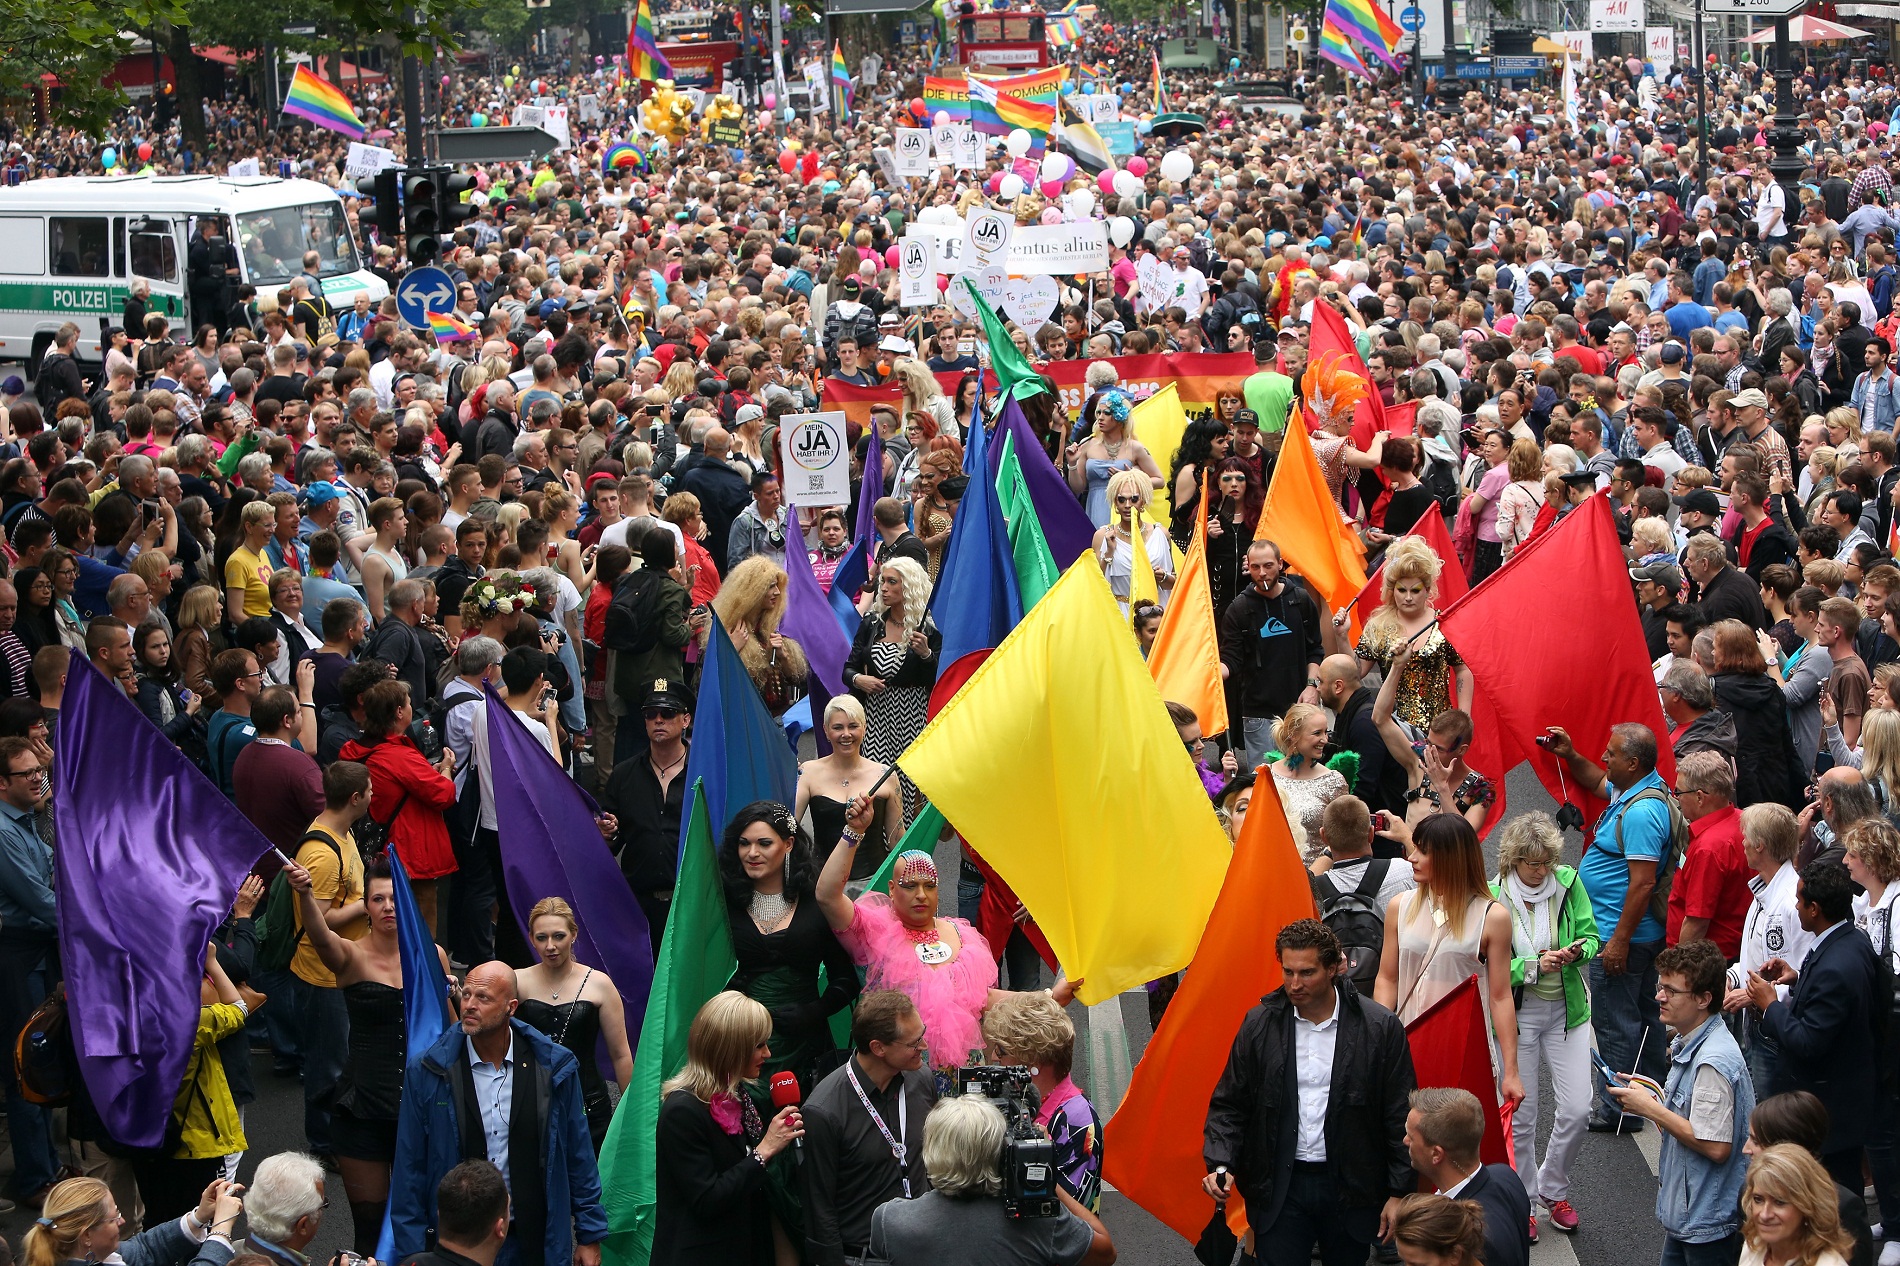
896, 1143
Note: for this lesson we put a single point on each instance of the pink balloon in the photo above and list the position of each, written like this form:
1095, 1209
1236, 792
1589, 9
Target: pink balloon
1051, 188
1138, 166
1106, 181
995, 182
771, 100
1051, 215
890, 257
943, 282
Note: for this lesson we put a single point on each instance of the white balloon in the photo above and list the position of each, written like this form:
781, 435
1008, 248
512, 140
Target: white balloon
1080, 202
1011, 187
1176, 166
1052, 166
1121, 230
1127, 184
1017, 143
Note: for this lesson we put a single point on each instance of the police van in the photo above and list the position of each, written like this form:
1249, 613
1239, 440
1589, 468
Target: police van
71, 247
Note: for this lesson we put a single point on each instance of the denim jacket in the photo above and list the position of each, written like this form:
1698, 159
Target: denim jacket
1700, 1201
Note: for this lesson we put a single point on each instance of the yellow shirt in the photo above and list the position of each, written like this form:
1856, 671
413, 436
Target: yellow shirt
251, 573
332, 885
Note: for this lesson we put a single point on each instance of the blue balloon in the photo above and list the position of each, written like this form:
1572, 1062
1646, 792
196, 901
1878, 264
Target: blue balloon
1128, 87
1143, 126
790, 114
1088, 89
110, 157
1233, 63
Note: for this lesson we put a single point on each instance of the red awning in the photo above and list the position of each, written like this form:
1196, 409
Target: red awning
352, 74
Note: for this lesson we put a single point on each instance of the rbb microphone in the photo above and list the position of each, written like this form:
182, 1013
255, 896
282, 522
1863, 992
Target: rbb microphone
785, 1094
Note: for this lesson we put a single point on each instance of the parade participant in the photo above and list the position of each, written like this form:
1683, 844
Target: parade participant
750, 605
80, 1221
1233, 511
645, 798
1798, 1119
1434, 678
1270, 649
1435, 1230
1113, 545
577, 1014
1306, 786
415, 792
824, 791
892, 665
1437, 779
1443, 1130
1030, 1029
1107, 451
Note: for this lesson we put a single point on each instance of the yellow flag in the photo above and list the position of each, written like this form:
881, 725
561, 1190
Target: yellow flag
1141, 572
1301, 517
1185, 659
1159, 422
1109, 841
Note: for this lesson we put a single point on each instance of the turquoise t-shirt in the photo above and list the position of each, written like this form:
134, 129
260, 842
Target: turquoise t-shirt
1605, 872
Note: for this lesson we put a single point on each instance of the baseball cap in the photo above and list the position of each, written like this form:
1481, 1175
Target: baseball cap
319, 494
1664, 574
1700, 501
550, 306
1672, 353
748, 413
13, 386
1750, 399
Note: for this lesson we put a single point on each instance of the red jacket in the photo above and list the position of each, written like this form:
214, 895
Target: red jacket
403, 782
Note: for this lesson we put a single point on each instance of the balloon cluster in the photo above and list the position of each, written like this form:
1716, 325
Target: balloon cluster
721, 109
621, 156
667, 113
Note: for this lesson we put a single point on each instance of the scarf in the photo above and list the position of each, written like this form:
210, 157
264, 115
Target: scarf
1528, 940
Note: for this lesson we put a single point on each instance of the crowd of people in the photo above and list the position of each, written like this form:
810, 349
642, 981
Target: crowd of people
314, 547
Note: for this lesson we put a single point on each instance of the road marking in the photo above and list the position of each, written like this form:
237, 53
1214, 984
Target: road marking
1553, 1247
1649, 1143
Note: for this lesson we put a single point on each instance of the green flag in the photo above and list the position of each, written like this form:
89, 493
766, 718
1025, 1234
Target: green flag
922, 836
1015, 376
241, 448
696, 961
1035, 565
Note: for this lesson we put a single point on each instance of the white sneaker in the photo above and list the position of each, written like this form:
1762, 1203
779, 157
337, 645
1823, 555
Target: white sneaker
1876, 1229
1890, 1255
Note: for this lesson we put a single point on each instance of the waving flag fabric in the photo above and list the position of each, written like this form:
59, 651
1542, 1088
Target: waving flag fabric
322, 103
840, 80
1083, 143
998, 114
645, 61
1062, 30
1185, 658
1337, 49
1161, 89
948, 93
449, 328
1365, 22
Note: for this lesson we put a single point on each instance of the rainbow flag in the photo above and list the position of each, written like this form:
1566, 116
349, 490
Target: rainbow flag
1095, 70
645, 61
1365, 22
996, 114
449, 328
840, 81
320, 102
1337, 49
1161, 89
1039, 86
1062, 29
949, 93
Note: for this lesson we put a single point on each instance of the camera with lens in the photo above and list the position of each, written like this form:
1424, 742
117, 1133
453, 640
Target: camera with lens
1029, 1158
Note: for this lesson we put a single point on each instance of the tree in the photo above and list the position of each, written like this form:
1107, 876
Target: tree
77, 42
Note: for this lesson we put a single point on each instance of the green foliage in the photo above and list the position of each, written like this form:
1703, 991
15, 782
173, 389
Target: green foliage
78, 42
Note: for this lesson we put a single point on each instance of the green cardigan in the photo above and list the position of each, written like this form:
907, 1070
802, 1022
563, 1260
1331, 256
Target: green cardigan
1575, 923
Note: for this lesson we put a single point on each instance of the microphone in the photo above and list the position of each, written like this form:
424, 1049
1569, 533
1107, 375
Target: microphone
785, 1094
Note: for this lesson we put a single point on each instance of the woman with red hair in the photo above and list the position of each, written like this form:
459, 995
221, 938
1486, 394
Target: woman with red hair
1233, 509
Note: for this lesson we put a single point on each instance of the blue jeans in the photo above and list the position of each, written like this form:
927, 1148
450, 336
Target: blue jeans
324, 1037
1257, 734
276, 1025
1623, 1010
1763, 1056
1723, 1252
970, 885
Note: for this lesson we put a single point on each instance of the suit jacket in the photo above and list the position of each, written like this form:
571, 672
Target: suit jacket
711, 1198
1507, 1214
1829, 1032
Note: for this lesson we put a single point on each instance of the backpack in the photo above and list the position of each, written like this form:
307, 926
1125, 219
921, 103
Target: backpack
1441, 480
1671, 860
372, 837
1357, 920
47, 389
277, 930
628, 627
43, 1053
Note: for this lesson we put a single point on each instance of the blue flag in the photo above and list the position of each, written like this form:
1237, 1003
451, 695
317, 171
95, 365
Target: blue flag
150, 855
976, 601
551, 847
738, 752
425, 1006
1065, 525
853, 570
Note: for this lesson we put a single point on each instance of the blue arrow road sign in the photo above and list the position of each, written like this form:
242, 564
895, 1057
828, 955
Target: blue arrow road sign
422, 291
1413, 19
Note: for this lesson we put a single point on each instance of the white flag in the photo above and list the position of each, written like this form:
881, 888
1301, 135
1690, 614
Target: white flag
1570, 92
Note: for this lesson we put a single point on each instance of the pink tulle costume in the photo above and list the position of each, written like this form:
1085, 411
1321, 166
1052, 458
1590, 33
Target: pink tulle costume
950, 998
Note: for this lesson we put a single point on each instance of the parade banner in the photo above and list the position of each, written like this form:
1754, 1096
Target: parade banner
700, 65
1120, 137
856, 402
1059, 250
948, 93
911, 149
1198, 377
917, 271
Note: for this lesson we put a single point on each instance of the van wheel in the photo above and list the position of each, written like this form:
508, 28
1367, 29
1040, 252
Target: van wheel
40, 343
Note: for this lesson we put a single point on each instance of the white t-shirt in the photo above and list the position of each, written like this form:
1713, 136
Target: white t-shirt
616, 534
1345, 876
1767, 203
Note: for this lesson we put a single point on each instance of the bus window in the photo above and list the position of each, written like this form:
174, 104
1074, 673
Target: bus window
78, 246
155, 255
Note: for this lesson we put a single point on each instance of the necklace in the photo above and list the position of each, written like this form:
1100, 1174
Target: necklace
556, 993
1113, 450
923, 935
660, 771
768, 909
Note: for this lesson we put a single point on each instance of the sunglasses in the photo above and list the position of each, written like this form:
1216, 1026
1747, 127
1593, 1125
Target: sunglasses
656, 714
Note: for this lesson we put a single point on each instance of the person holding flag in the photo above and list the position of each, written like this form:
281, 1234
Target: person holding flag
1113, 547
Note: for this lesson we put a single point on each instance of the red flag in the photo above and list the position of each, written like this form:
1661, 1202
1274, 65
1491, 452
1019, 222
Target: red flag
1450, 1047
1452, 586
856, 402
1152, 1149
1519, 632
1330, 334
1400, 419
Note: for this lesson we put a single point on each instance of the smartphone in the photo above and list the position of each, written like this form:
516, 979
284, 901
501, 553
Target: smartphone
1603, 1066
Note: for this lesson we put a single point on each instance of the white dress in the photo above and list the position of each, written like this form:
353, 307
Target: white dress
1435, 958
1119, 565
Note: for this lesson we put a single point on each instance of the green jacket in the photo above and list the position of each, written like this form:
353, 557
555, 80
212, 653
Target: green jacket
1575, 923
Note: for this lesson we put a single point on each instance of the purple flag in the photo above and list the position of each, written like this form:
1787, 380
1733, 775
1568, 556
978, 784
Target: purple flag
151, 854
551, 847
871, 487
1065, 525
809, 619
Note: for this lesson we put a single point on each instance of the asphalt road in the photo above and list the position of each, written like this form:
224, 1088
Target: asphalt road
1613, 1181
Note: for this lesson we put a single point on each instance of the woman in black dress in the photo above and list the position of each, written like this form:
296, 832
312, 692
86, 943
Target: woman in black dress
1233, 509
575, 1005
363, 1113
715, 1151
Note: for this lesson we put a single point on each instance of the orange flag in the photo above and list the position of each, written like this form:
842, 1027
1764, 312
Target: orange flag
1185, 658
1301, 517
1152, 1148
1450, 1047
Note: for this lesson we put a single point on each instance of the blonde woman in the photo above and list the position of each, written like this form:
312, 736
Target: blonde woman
1305, 784
893, 664
80, 1222
1790, 1213
1110, 449
680, 381
1522, 498
1129, 492
1877, 757
827, 785
200, 616
1434, 677
750, 605
711, 1186
561, 511
923, 394
576, 1005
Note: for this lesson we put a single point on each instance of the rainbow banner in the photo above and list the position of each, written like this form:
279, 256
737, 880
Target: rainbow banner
449, 328
1039, 86
948, 93
1337, 49
1198, 378
645, 61
1097, 70
1365, 22
840, 81
1062, 30
320, 102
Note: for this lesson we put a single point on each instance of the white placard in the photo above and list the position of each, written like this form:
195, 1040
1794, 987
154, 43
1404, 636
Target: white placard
1578, 42
555, 124
816, 459
589, 110
969, 148
1059, 250
1616, 15
544, 101
243, 167
530, 116
991, 283
1108, 108
943, 143
1030, 301
367, 160
887, 163
1660, 44
912, 151
917, 271
986, 237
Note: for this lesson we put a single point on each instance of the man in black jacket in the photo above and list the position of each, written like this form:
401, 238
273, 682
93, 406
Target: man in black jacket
1382, 781
722, 491
1270, 649
58, 378
471, 1217
496, 431
1308, 1119
1442, 1132
398, 640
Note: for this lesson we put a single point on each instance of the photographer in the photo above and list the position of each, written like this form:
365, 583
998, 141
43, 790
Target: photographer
963, 1152
1030, 1029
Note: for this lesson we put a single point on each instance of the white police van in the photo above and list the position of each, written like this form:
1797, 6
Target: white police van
71, 246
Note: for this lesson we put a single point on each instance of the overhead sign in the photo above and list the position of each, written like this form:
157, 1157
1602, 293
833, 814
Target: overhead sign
1516, 67
1760, 8
917, 271
493, 144
1413, 19
816, 459
1620, 15
422, 291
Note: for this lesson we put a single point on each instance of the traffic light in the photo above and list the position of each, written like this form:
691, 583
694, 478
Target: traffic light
421, 216
451, 210
385, 187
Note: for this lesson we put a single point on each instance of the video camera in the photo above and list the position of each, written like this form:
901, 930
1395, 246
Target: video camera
1029, 1158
